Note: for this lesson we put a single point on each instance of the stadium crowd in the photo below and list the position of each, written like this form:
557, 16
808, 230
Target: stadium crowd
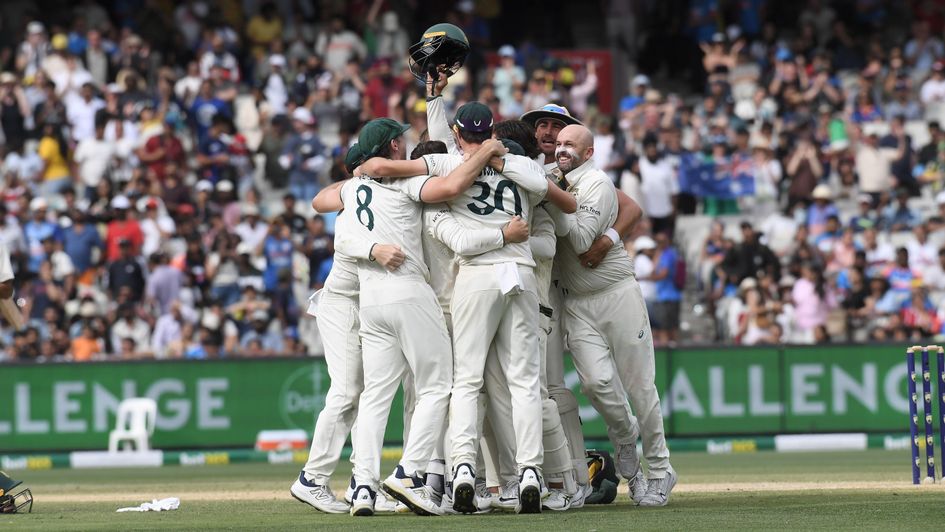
159, 159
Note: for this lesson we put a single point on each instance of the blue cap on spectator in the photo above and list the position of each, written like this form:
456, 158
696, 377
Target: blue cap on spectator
784, 55
629, 103
506, 50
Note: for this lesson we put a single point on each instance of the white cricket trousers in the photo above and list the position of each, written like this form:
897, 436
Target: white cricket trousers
338, 326
483, 316
402, 328
609, 336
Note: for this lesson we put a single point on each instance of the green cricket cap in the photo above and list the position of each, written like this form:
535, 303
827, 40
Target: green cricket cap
377, 133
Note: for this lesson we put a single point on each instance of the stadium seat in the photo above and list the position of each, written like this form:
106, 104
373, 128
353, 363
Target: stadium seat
135, 423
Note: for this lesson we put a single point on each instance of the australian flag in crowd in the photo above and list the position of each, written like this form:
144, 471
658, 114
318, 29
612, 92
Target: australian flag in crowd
707, 177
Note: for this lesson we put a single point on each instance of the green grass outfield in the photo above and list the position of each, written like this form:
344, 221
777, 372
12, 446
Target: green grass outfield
859, 490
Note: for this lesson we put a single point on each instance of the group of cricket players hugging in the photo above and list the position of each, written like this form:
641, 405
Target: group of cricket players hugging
461, 271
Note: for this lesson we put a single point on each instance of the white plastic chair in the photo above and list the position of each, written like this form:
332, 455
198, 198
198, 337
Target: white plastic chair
134, 423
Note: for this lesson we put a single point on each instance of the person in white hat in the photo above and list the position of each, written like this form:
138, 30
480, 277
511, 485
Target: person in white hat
274, 87
768, 174
822, 209
304, 156
507, 75
33, 51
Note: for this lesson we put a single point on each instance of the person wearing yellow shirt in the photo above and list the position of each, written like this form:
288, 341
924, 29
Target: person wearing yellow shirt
263, 28
54, 151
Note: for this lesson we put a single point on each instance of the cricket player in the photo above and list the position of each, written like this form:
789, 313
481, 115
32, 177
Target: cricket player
402, 327
547, 122
494, 300
336, 308
606, 322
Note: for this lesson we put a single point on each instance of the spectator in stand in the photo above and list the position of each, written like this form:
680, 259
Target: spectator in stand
87, 346
129, 326
35, 231
206, 106
668, 292
507, 76
749, 257
169, 330
163, 154
644, 267
164, 283
123, 227
864, 219
219, 57
804, 169
81, 243
901, 277
93, 155
213, 155
812, 302
304, 156
338, 45
933, 90
898, 216
125, 275
54, 151
873, 163
821, 210
878, 255
658, 186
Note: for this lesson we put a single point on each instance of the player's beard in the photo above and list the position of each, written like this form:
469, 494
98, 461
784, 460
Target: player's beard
567, 159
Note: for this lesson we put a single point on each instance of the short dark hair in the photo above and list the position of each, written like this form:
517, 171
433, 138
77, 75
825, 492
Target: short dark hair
428, 147
521, 132
475, 137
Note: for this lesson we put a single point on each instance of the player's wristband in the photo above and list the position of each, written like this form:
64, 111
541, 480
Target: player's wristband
370, 253
613, 235
431, 98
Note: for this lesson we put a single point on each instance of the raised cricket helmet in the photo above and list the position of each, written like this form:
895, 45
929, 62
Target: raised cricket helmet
13, 500
443, 48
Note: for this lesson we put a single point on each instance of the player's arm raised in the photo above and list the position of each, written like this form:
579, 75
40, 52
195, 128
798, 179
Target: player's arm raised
446, 188
437, 123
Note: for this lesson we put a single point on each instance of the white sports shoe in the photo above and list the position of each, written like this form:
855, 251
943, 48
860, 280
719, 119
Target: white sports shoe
530, 492
362, 502
349, 491
658, 489
317, 496
637, 487
446, 503
464, 489
557, 501
508, 497
628, 462
483, 497
388, 505
411, 491
579, 496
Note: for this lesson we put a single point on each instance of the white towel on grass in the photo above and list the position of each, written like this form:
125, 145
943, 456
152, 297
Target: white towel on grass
162, 505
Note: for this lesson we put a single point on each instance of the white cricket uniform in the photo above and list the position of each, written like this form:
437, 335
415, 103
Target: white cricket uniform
495, 300
606, 322
6, 267
443, 237
402, 328
338, 325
